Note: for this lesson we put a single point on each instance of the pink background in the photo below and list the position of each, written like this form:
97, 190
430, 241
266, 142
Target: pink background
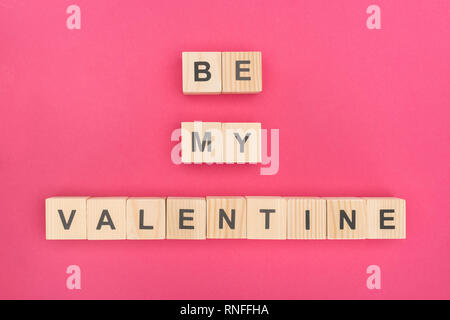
90, 112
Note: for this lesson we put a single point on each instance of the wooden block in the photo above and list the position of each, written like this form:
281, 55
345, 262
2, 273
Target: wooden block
306, 218
202, 72
242, 142
346, 218
266, 218
241, 72
226, 217
65, 218
146, 218
186, 218
106, 218
201, 142
386, 218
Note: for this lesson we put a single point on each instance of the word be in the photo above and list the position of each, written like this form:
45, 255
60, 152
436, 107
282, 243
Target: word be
221, 72
225, 218
215, 142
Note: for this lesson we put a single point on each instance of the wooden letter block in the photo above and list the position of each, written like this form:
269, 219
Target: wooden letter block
106, 218
202, 73
227, 217
346, 218
186, 218
242, 142
201, 142
386, 218
306, 218
146, 218
241, 72
266, 218
65, 218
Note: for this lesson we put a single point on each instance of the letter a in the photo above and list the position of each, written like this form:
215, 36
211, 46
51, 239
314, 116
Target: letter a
373, 21
374, 281
74, 280
74, 20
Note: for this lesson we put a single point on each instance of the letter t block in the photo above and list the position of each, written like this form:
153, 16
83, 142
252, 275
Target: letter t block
202, 72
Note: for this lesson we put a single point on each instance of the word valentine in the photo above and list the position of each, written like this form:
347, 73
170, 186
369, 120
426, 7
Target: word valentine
116, 218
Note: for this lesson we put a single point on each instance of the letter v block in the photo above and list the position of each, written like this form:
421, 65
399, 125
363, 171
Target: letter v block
65, 218
346, 218
202, 72
201, 142
106, 218
227, 217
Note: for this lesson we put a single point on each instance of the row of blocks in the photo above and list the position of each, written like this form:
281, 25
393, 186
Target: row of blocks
117, 218
215, 142
221, 72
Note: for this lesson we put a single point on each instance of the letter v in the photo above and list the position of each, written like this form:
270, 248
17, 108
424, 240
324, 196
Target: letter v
66, 224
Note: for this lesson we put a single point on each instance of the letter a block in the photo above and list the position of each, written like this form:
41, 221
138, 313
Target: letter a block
266, 218
186, 218
307, 218
386, 218
65, 218
227, 217
106, 218
202, 72
146, 218
346, 218
241, 72
201, 142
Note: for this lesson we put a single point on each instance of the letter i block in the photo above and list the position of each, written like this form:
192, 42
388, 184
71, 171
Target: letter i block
65, 218
241, 72
146, 218
386, 218
201, 142
346, 218
266, 218
186, 218
307, 218
106, 218
227, 217
242, 142
202, 72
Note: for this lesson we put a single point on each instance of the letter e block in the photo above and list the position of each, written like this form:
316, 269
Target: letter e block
202, 72
227, 217
266, 218
106, 218
146, 218
242, 142
186, 218
241, 72
306, 218
65, 218
346, 218
386, 218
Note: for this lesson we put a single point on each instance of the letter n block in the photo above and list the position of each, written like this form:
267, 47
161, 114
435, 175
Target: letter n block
202, 72
386, 218
65, 218
226, 217
241, 72
146, 218
106, 218
307, 218
186, 218
242, 142
266, 218
201, 142
346, 218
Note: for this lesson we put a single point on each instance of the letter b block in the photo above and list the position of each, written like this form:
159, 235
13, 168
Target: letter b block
202, 72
